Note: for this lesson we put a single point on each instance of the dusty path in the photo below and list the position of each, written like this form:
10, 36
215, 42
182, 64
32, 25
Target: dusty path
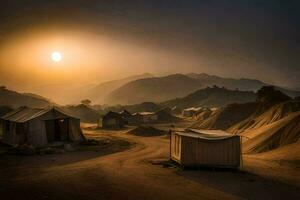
123, 175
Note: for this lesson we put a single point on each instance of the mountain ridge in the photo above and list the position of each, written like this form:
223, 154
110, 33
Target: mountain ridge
158, 89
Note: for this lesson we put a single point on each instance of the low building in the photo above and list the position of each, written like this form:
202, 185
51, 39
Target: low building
127, 116
149, 117
212, 148
144, 117
113, 120
40, 127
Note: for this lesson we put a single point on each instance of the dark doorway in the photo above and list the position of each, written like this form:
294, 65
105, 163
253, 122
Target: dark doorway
57, 130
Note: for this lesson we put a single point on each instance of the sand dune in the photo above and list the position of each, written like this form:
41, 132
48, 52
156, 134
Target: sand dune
273, 135
273, 114
262, 129
226, 117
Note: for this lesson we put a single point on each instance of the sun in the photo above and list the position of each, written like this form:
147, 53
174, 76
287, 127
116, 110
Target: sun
56, 56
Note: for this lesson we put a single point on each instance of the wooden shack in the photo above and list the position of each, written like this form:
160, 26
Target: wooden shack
210, 148
113, 120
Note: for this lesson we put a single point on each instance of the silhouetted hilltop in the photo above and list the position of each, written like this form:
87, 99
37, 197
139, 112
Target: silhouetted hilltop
230, 83
212, 97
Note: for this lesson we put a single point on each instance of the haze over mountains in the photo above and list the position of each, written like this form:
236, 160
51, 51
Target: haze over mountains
146, 87
158, 89
14, 99
100, 91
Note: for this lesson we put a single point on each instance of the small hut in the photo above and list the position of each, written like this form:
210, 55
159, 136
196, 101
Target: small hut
212, 148
127, 116
40, 127
149, 117
113, 120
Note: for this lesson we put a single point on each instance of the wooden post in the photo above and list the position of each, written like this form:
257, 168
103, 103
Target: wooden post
170, 132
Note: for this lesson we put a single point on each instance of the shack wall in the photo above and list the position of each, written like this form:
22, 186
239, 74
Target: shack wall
175, 147
201, 152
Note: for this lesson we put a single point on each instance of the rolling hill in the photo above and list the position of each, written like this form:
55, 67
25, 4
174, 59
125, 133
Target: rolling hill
159, 89
241, 84
153, 89
15, 99
211, 97
99, 92
230, 83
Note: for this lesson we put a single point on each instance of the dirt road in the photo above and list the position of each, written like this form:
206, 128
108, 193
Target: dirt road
127, 175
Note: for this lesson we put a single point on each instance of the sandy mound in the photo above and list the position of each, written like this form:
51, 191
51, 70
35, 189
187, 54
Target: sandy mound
270, 116
273, 135
226, 117
147, 131
289, 153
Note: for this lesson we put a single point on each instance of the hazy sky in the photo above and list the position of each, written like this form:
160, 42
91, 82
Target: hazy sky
107, 39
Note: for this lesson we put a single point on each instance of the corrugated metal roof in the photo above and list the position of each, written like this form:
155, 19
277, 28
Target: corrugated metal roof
24, 114
193, 109
206, 134
146, 113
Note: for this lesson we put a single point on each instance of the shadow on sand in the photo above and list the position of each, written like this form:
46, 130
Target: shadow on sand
242, 184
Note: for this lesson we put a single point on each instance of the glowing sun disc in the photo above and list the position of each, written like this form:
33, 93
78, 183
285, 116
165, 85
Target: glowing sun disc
56, 56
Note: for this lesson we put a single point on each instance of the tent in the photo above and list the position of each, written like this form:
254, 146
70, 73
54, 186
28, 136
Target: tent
40, 127
113, 120
212, 148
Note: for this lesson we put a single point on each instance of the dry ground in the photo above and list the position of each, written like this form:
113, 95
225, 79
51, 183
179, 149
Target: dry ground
124, 172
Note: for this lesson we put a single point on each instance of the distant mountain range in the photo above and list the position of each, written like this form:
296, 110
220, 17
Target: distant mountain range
207, 97
14, 99
159, 89
172, 89
155, 89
